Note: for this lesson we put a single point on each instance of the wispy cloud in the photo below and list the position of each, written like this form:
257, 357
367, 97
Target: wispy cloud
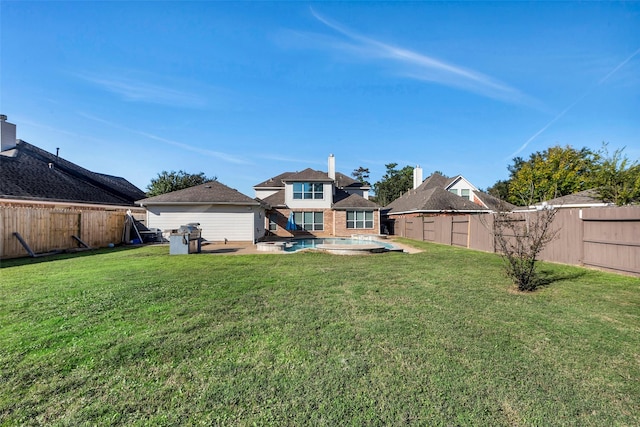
419, 66
136, 90
211, 153
573, 104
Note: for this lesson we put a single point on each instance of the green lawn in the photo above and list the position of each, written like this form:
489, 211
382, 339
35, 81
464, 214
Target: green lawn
137, 337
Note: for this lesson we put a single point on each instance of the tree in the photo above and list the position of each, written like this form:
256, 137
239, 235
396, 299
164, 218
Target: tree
393, 183
167, 182
616, 179
362, 175
520, 237
555, 172
500, 190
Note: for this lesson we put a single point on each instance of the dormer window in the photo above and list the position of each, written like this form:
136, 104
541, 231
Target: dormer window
308, 190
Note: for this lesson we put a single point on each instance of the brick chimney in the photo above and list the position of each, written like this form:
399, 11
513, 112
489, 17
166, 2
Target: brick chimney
7, 134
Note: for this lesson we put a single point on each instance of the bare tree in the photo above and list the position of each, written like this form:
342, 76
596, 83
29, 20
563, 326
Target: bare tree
519, 238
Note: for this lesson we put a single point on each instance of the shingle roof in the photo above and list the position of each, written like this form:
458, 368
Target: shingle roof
431, 196
276, 199
344, 181
344, 200
434, 199
341, 181
212, 192
28, 172
494, 203
276, 181
435, 180
579, 198
307, 175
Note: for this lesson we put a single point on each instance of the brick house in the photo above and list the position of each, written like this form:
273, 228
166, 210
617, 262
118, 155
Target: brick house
314, 203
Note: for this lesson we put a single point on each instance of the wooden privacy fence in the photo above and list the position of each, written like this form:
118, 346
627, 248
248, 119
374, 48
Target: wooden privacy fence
47, 229
606, 238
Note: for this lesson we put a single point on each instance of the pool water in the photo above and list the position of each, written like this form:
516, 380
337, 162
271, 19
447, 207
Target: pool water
299, 244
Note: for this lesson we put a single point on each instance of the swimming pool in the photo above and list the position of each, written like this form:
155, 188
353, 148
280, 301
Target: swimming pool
325, 243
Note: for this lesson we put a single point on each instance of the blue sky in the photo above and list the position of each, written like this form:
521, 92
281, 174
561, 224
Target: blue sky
245, 91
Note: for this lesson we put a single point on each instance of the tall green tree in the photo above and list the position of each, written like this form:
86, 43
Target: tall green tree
616, 178
167, 182
393, 183
555, 172
362, 175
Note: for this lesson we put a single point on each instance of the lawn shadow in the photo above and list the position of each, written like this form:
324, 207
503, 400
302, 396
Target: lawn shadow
547, 277
66, 254
220, 251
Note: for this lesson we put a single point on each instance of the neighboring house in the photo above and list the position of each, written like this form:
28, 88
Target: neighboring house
581, 199
224, 214
441, 195
29, 174
318, 204
50, 204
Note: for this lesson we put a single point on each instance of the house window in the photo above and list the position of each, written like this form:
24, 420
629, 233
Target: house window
273, 225
465, 193
309, 221
454, 191
359, 219
308, 190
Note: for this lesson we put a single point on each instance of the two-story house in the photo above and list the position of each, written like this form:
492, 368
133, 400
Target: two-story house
440, 195
318, 204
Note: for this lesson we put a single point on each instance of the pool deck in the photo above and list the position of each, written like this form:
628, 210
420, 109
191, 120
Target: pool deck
246, 248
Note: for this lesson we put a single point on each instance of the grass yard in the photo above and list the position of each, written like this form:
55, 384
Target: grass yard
138, 337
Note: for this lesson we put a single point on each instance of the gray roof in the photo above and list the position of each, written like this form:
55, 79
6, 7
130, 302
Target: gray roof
494, 203
276, 199
308, 175
341, 200
212, 192
584, 197
434, 199
274, 182
436, 180
344, 200
431, 196
341, 181
344, 181
30, 173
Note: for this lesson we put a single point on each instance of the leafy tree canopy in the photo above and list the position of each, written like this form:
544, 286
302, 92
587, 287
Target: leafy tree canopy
554, 172
616, 178
560, 171
167, 182
393, 183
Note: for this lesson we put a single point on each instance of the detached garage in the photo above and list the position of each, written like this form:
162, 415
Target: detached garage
223, 213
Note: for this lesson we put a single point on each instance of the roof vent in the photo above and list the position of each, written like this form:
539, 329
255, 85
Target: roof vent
51, 166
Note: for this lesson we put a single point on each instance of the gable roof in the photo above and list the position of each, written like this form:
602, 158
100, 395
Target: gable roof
435, 199
435, 180
432, 195
30, 173
212, 192
308, 175
344, 200
341, 181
